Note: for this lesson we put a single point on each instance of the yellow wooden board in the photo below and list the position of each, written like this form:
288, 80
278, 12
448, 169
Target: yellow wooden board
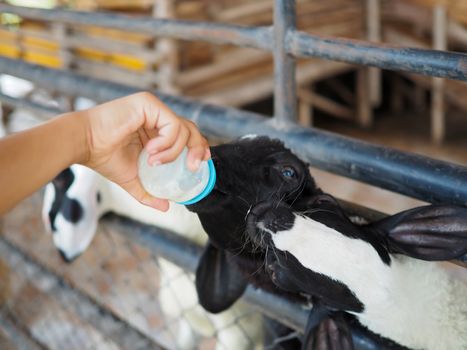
9, 51
91, 54
34, 42
136, 38
42, 59
112, 4
128, 62
8, 35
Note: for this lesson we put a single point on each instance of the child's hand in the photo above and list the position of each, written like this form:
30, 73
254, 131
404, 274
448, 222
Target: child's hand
117, 131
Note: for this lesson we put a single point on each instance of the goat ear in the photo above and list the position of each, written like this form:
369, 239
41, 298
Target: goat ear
325, 331
219, 282
435, 232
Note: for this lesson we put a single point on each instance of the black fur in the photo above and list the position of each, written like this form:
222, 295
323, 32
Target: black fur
249, 171
260, 180
434, 232
327, 330
289, 274
223, 277
62, 183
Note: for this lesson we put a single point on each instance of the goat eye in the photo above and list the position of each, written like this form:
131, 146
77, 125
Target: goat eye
288, 172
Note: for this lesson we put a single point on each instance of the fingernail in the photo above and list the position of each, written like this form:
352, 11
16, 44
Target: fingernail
197, 163
207, 154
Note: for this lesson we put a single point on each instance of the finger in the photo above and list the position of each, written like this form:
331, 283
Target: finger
156, 203
152, 133
135, 188
166, 137
198, 147
172, 153
207, 154
143, 136
194, 157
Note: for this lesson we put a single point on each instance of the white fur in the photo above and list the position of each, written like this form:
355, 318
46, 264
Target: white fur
416, 303
236, 328
15, 87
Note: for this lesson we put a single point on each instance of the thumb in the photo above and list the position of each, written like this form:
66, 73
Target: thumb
137, 191
156, 203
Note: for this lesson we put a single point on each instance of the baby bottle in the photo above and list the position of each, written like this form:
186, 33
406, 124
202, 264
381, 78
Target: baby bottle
174, 181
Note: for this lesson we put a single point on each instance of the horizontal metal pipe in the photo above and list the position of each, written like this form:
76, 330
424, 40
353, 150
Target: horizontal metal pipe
416, 176
29, 105
445, 64
186, 254
428, 62
257, 37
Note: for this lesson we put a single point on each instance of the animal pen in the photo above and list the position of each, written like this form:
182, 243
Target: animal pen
86, 307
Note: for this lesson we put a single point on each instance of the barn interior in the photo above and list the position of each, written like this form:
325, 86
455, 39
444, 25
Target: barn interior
109, 297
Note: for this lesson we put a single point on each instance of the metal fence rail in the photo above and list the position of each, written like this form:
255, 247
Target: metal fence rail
416, 176
428, 62
186, 254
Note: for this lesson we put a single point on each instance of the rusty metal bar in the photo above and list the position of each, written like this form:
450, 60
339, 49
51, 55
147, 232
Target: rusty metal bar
416, 176
452, 65
29, 105
285, 94
258, 37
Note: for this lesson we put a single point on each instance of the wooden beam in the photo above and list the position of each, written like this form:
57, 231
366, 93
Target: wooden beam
102, 70
342, 91
258, 87
373, 27
325, 104
437, 95
364, 109
305, 113
305, 108
235, 60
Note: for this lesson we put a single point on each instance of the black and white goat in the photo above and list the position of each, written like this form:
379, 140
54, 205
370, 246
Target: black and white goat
268, 223
73, 204
364, 270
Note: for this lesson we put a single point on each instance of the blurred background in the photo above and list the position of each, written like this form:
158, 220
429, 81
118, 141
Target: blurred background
401, 110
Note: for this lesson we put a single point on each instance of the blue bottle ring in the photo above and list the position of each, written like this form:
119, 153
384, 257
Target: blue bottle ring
207, 189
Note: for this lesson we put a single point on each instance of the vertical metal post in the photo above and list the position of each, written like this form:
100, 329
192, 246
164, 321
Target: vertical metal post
285, 95
167, 48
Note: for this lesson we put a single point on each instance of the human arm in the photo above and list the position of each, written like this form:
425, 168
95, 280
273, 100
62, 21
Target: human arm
107, 138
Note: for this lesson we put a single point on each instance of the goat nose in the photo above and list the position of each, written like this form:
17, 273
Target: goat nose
276, 218
270, 221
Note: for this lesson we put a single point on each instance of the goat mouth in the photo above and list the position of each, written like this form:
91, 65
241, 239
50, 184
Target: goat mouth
260, 237
257, 232
267, 218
